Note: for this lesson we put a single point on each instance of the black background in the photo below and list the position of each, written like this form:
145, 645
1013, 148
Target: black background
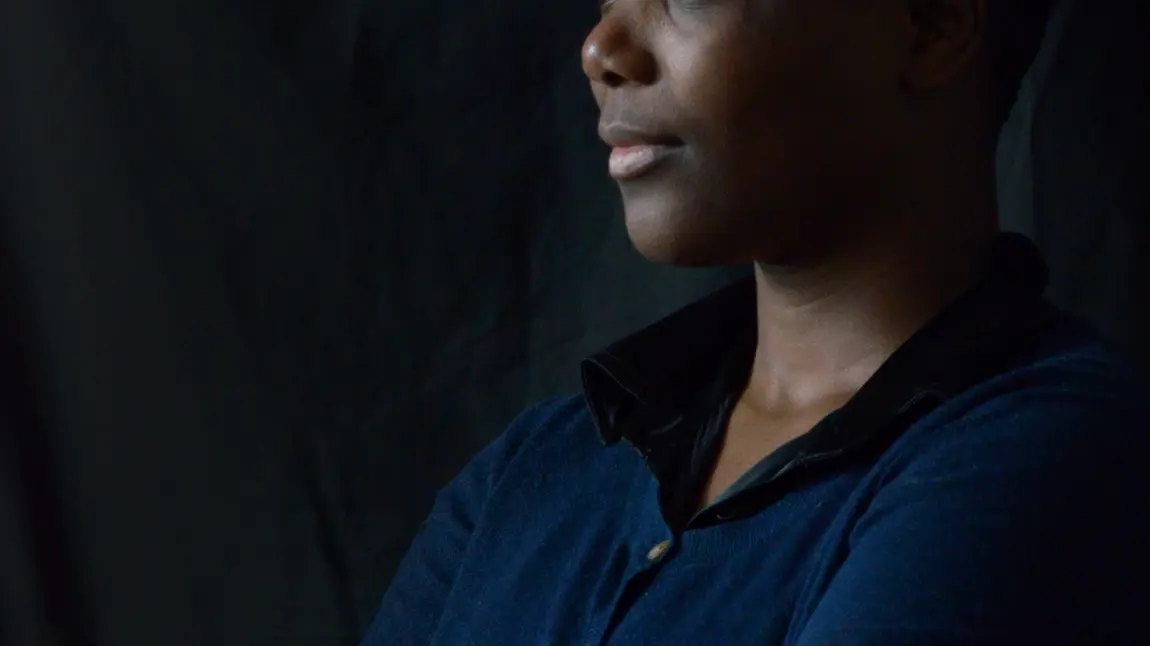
271, 273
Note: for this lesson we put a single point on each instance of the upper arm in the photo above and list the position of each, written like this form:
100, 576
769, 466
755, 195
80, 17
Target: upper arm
411, 607
1018, 526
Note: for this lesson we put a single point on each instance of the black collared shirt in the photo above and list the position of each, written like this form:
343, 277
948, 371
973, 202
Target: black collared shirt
668, 390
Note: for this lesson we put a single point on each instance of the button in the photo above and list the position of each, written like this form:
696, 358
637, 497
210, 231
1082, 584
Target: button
657, 552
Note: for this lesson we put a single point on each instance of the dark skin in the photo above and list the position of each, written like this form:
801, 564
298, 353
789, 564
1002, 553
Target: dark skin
845, 147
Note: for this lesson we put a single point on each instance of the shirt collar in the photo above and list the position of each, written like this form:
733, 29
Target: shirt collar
660, 369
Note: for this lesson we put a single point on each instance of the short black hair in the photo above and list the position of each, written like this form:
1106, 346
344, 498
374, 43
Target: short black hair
1014, 34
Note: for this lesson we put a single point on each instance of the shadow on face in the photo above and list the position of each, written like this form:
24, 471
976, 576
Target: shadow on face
752, 130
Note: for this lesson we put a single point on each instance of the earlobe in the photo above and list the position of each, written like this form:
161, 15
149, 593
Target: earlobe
948, 38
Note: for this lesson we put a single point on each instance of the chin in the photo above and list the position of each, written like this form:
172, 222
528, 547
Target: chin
669, 254
675, 238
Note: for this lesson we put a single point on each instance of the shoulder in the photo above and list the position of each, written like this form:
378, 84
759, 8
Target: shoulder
1070, 385
553, 425
1011, 512
1070, 418
546, 418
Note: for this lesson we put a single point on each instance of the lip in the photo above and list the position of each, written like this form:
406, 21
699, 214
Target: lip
629, 162
622, 135
635, 151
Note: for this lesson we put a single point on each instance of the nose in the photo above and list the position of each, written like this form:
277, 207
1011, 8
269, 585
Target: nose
613, 56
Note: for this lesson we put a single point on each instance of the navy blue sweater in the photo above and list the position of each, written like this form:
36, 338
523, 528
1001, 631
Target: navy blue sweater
1012, 513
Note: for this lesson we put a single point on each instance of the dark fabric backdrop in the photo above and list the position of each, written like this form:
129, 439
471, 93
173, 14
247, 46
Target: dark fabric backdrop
272, 272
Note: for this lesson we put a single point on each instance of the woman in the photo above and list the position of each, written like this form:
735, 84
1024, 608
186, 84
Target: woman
885, 437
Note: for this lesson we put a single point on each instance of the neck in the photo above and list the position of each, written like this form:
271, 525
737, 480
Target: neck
825, 328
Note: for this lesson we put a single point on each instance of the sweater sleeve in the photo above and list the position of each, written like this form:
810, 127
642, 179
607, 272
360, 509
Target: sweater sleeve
1021, 525
411, 607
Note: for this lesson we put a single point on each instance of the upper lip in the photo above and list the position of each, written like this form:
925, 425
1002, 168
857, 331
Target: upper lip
621, 135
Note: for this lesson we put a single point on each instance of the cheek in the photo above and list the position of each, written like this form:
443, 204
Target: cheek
775, 131
598, 92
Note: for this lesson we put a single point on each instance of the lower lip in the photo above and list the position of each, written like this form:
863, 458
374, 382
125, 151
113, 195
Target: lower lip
629, 162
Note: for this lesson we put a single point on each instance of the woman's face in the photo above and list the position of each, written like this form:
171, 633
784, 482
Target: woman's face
743, 129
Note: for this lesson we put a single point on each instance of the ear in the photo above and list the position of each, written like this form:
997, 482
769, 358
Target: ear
948, 37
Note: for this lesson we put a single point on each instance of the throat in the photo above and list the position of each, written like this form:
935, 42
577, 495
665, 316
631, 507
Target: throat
753, 435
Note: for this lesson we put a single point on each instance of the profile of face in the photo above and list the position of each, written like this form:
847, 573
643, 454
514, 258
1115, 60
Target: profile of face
747, 129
